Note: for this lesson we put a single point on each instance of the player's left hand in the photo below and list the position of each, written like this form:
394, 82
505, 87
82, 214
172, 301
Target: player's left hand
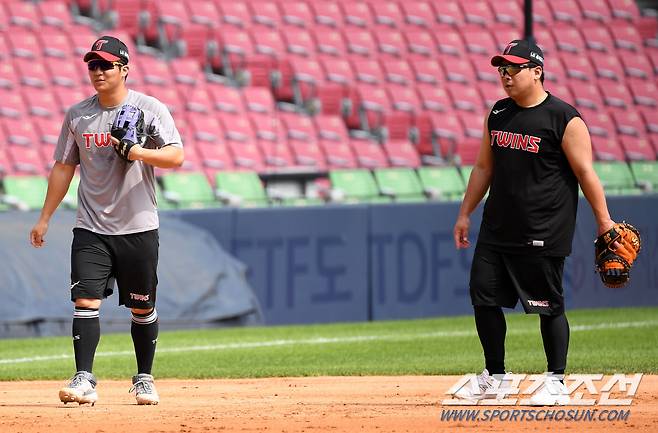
460, 232
133, 153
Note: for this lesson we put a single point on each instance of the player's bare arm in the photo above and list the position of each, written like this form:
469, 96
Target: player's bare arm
166, 157
58, 184
577, 146
478, 184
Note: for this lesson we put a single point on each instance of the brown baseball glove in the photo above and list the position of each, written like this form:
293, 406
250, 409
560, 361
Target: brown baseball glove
614, 261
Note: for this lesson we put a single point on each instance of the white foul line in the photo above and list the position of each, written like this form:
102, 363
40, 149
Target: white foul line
329, 340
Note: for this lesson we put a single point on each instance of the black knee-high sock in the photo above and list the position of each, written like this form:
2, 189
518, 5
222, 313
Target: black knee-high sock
144, 330
491, 327
555, 335
86, 331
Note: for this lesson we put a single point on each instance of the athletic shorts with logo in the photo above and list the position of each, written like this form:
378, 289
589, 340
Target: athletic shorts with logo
499, 279
98, 260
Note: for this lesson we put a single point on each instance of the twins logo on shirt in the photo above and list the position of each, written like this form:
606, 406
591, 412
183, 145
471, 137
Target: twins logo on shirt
100, 139
513, 140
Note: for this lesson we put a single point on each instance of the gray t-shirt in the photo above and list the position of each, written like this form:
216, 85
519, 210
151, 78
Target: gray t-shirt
115, 196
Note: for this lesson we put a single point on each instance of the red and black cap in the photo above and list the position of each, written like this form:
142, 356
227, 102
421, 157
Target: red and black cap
108, 48
518, 52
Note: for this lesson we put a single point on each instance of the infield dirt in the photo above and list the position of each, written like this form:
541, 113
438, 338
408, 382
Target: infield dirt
309, 404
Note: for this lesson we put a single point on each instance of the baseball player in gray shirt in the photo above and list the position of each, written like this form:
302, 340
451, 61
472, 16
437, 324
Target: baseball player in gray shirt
116, 230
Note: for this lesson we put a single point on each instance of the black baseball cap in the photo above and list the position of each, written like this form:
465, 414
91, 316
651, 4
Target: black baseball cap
518, 52
108, 48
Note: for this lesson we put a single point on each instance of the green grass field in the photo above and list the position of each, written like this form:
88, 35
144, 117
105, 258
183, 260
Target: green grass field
602, 341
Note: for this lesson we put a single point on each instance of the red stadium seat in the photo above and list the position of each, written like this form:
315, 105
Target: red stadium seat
458, 69
401, 153
569, 40
215, 155
258, 99
20, 132
628, 122
427, 71
265, 14
608, 67
299, 42
435, 98
40, 102
11, 104
624, 9
69, 96
449, 14
645, 92
197, 100
626, 37
607, 149
566, 13
360, 43
387, 13
48, 129
587, 95
598, 38
54, 13
358, 15
542, 14
508, 13
420, 44
637, 66
237, 127
616, 95
479, 42
331, 128
23, 14
204, 12
391, 44
235, 13
599, 123
207, 128
398, 72
595, 10
330, 43
339, 154
225, 98
369, 154
418, 13
26, 160
328, 14
186, 71
247, 155
477, 12
297, 13
23, 43
637, 148
451, 43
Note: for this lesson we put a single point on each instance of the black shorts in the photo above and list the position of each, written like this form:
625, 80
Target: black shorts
499, 279
132, 260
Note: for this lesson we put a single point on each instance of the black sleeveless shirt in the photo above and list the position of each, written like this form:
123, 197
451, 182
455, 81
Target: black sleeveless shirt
533, 197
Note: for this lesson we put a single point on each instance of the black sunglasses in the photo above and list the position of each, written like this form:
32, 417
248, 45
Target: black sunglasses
512, 70
105, 65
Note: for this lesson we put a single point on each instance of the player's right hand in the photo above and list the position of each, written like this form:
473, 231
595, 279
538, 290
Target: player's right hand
460, 232
38, 232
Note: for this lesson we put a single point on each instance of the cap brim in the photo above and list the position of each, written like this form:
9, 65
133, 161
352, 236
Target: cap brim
91, 55
504, 59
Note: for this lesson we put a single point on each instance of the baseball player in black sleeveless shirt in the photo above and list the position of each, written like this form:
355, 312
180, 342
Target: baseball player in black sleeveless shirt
535, 151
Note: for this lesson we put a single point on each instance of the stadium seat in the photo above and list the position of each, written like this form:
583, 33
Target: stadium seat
509, 14
265, 14
247, 155
328, 14
616, 178
391, 44
235, 13
188, 189
637, 66
25, 192
599, 39
418, 13
624, 9
23, 14
441, 183
241, 188
627, 38
400, 184
297, 14
216, 156
569, 40
566, 13
420, 44
387, 14
645, 174
357, 15
401, 153
55, 14
369, 153
329, 43
637, 148
595, 10
203, 12
477, 12
607, 148
448, 14
339, 154
355, 186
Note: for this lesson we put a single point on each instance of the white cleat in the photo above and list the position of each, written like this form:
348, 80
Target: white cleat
81, 389
144, 389
488, 387
551, 393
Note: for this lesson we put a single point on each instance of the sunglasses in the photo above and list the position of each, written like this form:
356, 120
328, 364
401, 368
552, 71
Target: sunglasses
512, 70
104, 65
